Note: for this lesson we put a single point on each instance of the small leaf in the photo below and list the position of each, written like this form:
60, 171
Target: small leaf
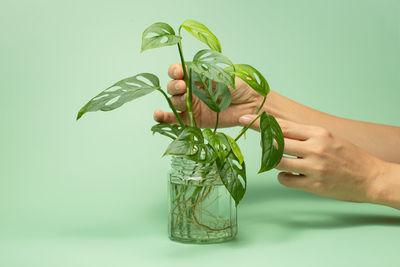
216, 99
270, 131
218, 142
202, 33
184, 144
158, 35
223, 144
190, 144
233, 176
251, 76
207, 133
122, 92
170, 130
212, 64
235, 148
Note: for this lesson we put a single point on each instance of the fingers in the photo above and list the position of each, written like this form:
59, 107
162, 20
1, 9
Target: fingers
176, 87
179, 101
175, 71
292, 165
293, 180
165, 117
247, 119
294, 148
289, 129
295, 130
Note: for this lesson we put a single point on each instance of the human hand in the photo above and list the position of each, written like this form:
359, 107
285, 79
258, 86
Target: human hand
244, 101
327, 165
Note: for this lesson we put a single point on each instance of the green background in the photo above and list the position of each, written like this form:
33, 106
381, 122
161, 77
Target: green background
93, 192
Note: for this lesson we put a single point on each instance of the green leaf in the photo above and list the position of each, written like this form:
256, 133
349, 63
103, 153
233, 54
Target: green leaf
235, 148
233, 176
208, 134
202, 33
231, 166
218, 142
158, 35
216, 99
122, 92
270, 131
190, 144
222, 142
251, 76
170, 130
184, 144
212, 64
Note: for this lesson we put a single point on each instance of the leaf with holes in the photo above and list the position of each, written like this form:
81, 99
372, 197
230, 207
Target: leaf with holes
202, 33
251, 76
122, 92
170, 130
218, 142
158, 35
233, 176
229, 162
223, 144
216, 99
190, 144
270, 131
212, 64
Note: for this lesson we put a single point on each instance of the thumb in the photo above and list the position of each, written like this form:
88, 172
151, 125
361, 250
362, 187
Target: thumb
245, 120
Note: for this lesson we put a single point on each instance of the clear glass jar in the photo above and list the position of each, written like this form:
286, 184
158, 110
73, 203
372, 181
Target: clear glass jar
201, 210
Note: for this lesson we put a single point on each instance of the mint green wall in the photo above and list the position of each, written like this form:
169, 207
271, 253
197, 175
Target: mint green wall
100, 183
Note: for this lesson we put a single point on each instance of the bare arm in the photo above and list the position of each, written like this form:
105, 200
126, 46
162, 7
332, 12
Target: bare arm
332, 167
335, 157
363, 134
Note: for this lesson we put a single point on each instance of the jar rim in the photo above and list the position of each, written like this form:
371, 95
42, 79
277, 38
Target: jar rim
188, 169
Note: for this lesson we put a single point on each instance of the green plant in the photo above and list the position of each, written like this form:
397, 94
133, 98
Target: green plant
207, 67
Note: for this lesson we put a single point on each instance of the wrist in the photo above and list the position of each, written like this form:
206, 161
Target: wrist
273, 106
386, 185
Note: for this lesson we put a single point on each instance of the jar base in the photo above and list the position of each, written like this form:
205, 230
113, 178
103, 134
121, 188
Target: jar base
201, 241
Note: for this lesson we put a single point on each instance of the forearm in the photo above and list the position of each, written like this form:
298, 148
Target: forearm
382, 141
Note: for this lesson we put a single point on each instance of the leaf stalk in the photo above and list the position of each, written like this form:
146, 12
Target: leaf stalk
262, 104
172, 107
189, 98
246, 128
216, 123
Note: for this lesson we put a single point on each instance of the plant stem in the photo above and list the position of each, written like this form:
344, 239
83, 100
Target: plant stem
173, 108
262, 104
246, 128
189, 98
216, 123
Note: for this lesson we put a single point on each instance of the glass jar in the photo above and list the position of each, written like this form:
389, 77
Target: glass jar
201, 210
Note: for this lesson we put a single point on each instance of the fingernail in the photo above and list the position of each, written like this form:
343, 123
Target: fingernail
175, 73
245, 119
183, 97
177, 86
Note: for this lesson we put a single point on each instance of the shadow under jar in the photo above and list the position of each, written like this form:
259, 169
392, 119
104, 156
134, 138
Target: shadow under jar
201, 210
